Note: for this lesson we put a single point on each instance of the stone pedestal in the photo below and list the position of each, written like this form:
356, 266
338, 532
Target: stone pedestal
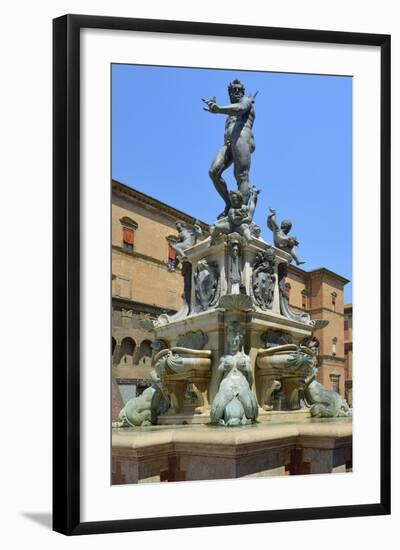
220, 255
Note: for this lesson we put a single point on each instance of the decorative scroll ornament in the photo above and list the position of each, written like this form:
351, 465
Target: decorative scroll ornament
164, 319
287, 312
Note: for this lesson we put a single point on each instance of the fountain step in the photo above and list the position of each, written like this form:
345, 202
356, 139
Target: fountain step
184, 453
284, 416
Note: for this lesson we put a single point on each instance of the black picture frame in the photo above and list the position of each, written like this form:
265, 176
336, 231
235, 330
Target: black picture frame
66, 272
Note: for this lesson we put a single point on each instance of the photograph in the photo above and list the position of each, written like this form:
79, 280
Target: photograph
231, 216
206, 191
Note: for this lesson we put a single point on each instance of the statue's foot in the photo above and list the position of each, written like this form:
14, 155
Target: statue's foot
300, 262
199, 410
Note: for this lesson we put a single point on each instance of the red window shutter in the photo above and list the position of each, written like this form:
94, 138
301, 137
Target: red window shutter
171, 253
127, 235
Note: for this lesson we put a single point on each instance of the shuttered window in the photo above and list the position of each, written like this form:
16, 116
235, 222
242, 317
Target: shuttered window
171, 253
128, 238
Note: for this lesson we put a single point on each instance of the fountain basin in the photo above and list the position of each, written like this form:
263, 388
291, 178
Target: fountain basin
201, 452
179, 367
280, 376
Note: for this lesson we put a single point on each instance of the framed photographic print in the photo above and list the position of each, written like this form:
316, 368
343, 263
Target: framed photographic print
221, 274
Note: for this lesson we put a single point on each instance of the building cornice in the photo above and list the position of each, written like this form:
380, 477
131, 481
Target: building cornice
149, 202
324, 271
316, 272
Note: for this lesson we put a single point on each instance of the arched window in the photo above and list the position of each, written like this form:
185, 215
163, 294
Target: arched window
129, 227
126, 351
145, 352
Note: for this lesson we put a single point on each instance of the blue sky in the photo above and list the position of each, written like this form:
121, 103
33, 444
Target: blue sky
163, 144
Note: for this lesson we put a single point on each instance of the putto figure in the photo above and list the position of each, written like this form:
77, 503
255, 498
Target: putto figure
238, 141
239, 217
281, 238
187, 237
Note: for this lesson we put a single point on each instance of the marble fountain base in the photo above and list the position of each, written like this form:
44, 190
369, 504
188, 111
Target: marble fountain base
203, 452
